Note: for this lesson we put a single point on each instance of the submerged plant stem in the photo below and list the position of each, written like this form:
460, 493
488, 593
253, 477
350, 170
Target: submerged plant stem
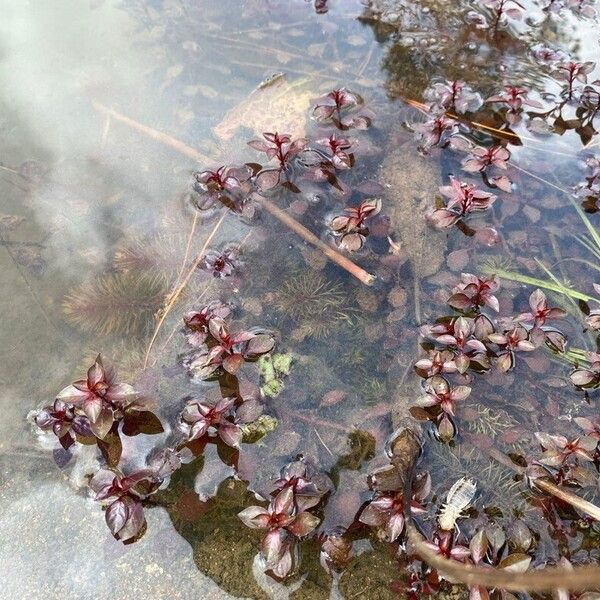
174, 295
304, 233
279, 214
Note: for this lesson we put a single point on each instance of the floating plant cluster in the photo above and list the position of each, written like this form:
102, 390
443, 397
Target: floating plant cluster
475, 342
458, 348
455, 112
289, 162
98, 409
287, 517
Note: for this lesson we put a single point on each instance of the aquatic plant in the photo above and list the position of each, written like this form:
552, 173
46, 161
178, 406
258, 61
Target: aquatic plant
539, 314
283, 149
91, 410
561, 458
509, 343
482, 160
279, 146
227, 350
385, 510
349, 229
436, 363
224, 417
222, 263
318, 305
463, 199
453, 95
229, 185
473, 292
287, 517
514, 98
582, 8
589, 189
501, 9
570, 72
337, 151
439, 393
123, 303
197, 321
158, 254
100, 397
341, 107
460, 338
273, 370
61, 418
436, 131
489, 421
124, 513
588, 377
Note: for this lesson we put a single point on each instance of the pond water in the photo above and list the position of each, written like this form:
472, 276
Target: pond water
115, 224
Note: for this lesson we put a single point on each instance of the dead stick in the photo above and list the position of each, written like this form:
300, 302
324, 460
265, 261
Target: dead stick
304, 233
279, 214
406, 451
153, 133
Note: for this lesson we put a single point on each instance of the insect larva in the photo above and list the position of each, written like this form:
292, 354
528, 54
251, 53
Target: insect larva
458, 498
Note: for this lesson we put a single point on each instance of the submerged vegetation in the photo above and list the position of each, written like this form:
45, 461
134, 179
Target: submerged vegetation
421, 390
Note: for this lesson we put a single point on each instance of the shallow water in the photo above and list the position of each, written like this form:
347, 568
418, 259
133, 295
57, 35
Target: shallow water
98, 228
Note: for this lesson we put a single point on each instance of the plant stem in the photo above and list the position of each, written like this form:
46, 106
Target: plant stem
174, 295
279, 214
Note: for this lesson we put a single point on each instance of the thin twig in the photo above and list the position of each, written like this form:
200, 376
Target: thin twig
366, 61
199, 297
310, 237
153, 133
172, 298
322, 442
3, 168
187, 248
281, 215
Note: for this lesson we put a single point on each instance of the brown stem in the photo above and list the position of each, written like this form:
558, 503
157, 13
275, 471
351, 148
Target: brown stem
405, 452
311, 238
546, 485
279, 214
174, 295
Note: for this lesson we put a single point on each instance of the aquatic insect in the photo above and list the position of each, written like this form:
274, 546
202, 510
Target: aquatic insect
458, 498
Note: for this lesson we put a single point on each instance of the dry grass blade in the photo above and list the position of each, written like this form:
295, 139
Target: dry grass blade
281, 215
